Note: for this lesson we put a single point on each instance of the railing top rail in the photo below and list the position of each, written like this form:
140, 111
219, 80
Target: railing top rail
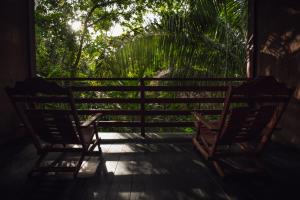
149, 88
149, 79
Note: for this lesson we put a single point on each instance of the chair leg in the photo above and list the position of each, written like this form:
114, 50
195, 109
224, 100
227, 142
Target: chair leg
78, 165
200, 148
103, 167
98, 142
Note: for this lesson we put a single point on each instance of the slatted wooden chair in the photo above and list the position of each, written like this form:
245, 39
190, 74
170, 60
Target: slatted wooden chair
234, 143
49, 114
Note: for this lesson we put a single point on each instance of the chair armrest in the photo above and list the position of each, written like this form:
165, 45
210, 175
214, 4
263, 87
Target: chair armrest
91, 120
200, 119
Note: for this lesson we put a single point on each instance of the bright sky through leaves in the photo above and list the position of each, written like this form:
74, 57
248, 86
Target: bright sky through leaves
75, 25
117, 29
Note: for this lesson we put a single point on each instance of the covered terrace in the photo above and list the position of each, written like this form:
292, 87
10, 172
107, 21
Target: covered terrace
166, 166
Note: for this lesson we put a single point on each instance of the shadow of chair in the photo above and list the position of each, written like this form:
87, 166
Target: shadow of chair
235, 142
48, 112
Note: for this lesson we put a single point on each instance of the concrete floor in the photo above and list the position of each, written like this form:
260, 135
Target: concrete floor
146, 171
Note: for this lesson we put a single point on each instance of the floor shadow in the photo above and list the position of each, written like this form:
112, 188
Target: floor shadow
149, 171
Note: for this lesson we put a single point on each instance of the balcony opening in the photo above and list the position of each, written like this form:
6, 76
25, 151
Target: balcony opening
182, 38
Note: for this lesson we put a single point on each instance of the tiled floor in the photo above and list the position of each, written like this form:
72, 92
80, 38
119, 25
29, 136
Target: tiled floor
146, 171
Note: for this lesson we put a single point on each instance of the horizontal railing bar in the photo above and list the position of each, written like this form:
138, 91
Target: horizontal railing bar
106, 88
149, 79
50, 111
93, 79
146, 124
122, 100
147, 140
149, 100
149, 112
119, 124
184, 100
128, 112
149, 88
182, 112
146, 100
198, 79
108, 112
169, 124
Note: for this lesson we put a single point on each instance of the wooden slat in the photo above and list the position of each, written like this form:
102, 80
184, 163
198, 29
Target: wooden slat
108, 112
170, 100
147, 100
147, 124
182, 112
149, 112
197, 79
48, 111
169, 124
93, 79
106, 88
167, 140
186, 88
119, 124
149, 88
129, 112
42, 99
149, 79
184, 100
124, 100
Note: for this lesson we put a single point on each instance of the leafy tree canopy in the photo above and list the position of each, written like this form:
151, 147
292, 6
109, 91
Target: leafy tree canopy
77, 38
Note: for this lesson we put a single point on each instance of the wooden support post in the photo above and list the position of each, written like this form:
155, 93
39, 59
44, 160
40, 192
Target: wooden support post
142, 106
252, 47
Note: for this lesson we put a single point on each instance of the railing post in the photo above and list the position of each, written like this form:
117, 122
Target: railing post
142, 106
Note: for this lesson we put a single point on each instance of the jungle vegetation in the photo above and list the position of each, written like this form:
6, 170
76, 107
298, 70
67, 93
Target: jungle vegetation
141, 38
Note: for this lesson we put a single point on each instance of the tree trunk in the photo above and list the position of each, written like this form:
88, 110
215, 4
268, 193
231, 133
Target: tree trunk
82, 37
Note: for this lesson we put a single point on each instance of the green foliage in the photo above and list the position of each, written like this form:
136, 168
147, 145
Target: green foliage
187, 38
192, 37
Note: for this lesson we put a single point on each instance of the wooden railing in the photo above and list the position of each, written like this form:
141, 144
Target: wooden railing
142, 87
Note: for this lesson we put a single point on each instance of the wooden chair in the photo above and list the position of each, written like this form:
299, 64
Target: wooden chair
49, 114
234, 143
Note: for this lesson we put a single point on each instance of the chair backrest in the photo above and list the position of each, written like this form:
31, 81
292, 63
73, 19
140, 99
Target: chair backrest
47, 110
263, 102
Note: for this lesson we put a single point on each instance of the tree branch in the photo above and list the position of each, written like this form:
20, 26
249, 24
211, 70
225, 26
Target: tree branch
84, 32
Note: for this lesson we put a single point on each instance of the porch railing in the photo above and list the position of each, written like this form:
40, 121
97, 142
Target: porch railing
144, 86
